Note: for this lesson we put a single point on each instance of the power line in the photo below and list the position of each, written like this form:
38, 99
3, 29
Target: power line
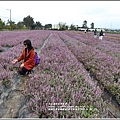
3, 8
15, 20
4, 11
3, 17
9, 18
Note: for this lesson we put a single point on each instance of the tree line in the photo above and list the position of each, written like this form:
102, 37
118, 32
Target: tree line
28, 23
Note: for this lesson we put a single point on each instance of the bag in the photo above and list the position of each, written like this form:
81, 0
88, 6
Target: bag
37, 59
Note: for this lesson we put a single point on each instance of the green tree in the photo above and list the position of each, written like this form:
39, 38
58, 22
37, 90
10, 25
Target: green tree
13, 25
38, 25
72, 27
62, 26
33, 26
2, 24
28, 21
20, 25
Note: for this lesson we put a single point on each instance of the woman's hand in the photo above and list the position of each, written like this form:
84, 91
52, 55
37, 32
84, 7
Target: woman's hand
14, 61
22, 65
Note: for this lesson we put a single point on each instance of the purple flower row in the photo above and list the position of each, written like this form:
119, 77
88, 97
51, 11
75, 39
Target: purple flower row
11, 39
103, 66
61, 78
16, 40
109, 45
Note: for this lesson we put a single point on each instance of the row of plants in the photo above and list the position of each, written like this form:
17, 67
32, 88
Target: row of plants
104, 67
61, 79
7, 69
109, 45
10, 39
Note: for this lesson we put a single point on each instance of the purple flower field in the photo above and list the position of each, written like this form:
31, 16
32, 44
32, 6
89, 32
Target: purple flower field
65, 75
105, 67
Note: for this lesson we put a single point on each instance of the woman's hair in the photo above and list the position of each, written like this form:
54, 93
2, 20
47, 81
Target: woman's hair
28, 43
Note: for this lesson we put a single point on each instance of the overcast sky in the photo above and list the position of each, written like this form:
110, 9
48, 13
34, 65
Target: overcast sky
104, 14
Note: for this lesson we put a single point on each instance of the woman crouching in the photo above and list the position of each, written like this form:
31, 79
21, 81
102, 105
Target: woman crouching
28, 56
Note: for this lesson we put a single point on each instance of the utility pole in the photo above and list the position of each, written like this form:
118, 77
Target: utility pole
10, 20
10, 17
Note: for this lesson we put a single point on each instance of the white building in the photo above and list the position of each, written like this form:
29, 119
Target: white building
56, 26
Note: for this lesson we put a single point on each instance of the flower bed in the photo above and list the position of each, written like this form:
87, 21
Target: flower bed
15, 39
62, 79
104, 67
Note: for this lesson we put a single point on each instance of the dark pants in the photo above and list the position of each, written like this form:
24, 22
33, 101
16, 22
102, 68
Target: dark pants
24, 71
